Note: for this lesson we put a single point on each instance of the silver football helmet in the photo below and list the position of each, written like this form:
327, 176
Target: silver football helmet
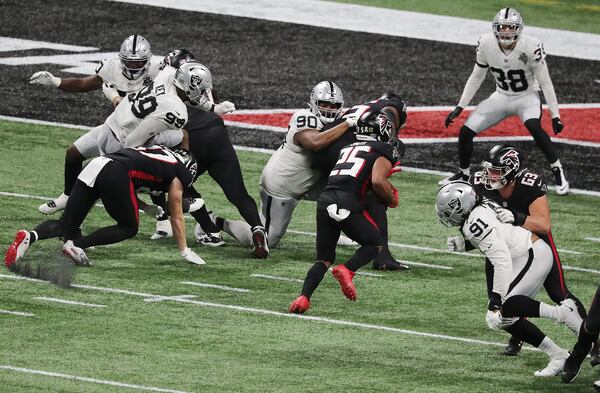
454, 202
507, 26
135, 56
326, 101
195, 80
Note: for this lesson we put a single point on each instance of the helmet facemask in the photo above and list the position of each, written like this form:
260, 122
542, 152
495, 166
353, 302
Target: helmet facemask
501, 167
195, 80
454, 203
326, 101
507, 26
135, 57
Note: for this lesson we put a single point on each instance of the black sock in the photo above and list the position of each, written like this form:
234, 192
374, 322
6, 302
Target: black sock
49, 229
361, 257
313, 278
219, 222
202, 217
72, 170
465, 147
527, 332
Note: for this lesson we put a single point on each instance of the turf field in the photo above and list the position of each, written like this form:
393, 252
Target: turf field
420, 331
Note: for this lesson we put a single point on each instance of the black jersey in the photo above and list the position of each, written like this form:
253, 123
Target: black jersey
529, 187
152, 168
350, 180
325, 160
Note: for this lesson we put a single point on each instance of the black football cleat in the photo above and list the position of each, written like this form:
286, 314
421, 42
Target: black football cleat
457, 176
390, 264
513, 347
595, 354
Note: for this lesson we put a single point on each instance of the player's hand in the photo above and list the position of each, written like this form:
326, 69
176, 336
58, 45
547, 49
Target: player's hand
192, 257
394, 202
352, 119
493, 319
505, 216
456, 244
224, 107
557, 125
453, 115
44, 78
153, 210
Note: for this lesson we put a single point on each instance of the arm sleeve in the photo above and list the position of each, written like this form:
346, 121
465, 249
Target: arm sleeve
473, 83
540, 70
148, 128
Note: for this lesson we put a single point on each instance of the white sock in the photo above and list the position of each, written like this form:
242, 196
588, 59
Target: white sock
548, 311
551, 349
556, 164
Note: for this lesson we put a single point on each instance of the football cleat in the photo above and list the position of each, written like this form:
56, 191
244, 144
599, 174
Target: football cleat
554, 366
596, 386
346, 241
163, 230
457, 176
260, 242
344, 277
569, 315
54, 205
562, 185
17, 248
513, 347
390, 264
211, 239
574, 362
595, 354
76, 254
300, 305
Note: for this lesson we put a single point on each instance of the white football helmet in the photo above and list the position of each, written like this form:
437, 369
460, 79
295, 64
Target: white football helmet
135, 56
507, 26
326, 101
454, 202
195, 80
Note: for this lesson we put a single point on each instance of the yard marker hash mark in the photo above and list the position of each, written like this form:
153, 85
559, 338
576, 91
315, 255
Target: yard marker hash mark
71, 302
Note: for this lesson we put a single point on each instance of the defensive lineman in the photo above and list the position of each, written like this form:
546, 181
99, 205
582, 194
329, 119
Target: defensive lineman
521, 263
517, 63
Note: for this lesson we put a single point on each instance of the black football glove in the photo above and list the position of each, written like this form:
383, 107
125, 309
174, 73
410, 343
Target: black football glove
453, 115
557, 125
495, 302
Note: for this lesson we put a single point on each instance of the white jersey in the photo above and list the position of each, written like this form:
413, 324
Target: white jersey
501, 243
111, 73
513, 72
288, 174
144, 114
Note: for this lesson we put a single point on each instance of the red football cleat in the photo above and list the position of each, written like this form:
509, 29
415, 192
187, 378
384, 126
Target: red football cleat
300, 305
344, 277
17, 248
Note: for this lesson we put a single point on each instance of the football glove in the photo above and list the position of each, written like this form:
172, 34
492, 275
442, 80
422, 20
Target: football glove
493, 319
192, 257
352, 119
44, 78
510, 216
153, 210
456, 244
394, 202
557, 125
224, 107
453, 115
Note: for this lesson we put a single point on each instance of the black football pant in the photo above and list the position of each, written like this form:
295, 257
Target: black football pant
114, 187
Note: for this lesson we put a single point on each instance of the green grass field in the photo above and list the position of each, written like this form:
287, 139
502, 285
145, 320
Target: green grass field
576, 15
224, 341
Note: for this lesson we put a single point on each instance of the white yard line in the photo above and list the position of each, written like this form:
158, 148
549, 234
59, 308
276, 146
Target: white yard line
19, 313
389, 22
277, 278
71, 302
580, 269
221, 287
411, 263
165, 298
593, 239
286, 315
359, 273
89, 380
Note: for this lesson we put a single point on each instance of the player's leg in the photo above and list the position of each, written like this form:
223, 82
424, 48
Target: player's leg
327, 234
277, 214
384, 260
488, 113
86, 146
529, 109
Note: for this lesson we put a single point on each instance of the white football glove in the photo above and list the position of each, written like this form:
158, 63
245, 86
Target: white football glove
192, 257
224, 107
44, 78
505, 216
153, 210
456, 244
493, 319
352, 119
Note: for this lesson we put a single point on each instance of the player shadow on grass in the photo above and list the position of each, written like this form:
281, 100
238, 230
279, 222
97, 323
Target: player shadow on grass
56, 269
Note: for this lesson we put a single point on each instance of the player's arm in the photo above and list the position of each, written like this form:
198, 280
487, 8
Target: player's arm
111, 94
175, 202
88, 83
538, 220
315, 140
381, 185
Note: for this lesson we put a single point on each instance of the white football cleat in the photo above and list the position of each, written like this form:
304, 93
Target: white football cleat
554, 366
569, 315
54, 205
211, 239
562, 185
17, 248
163, 230
346, 241
76, 254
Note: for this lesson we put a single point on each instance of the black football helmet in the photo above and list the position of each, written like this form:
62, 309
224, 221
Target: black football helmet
398, 103
501, 166
189, 161
178, 57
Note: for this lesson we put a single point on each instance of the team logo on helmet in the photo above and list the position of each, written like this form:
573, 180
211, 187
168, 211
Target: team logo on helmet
511, 158
196, 81
455, 204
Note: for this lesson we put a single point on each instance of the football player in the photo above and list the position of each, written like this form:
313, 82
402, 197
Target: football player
361, 167
289, 175
113, 179
522, 194
520, 264
517, 63
324, 160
